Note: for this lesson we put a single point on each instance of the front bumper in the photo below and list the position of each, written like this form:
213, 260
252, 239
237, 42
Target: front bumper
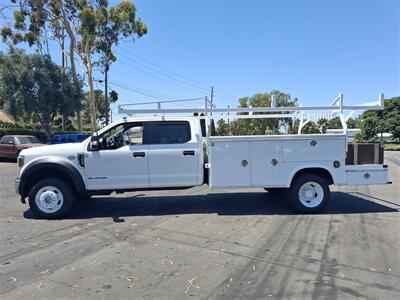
16, 186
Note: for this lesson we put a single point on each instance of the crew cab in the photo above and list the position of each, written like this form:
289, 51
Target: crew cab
144, 153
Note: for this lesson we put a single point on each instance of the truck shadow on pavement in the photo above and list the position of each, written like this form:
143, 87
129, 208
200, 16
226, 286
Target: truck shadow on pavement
242, 203
8, 160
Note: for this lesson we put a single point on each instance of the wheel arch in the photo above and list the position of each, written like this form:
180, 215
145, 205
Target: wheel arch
320, 171
50, 167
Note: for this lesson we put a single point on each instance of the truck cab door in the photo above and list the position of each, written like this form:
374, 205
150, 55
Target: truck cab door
122, 161
174, 154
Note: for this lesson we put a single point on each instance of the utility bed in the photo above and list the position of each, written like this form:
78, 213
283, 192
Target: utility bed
273, 160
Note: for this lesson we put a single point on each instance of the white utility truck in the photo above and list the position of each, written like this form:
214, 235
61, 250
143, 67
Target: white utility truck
168, 150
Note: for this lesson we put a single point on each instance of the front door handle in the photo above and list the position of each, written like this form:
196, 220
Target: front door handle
188, 152
139, 154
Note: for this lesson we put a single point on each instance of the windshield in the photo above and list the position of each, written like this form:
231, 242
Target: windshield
28, 140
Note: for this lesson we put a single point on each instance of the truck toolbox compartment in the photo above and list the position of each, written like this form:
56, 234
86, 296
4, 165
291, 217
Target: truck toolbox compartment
245, 163
366, 174
230, 164
314, 149
364, 153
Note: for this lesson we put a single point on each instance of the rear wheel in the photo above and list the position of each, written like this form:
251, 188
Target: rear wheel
51, 198
309, 193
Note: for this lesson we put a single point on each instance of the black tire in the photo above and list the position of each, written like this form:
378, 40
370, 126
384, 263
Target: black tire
318, 191
85, 197
67, 193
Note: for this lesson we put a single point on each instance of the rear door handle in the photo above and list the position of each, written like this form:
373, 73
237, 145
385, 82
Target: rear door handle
188, 152
139, 154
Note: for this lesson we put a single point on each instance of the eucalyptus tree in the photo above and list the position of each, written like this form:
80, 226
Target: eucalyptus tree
92, 28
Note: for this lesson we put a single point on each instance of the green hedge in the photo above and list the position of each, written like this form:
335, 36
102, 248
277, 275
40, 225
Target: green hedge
38, 133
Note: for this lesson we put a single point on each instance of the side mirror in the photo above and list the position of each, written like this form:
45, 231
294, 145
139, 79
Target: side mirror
94, 143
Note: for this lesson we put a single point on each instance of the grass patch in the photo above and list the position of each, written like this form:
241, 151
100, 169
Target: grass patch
392, 146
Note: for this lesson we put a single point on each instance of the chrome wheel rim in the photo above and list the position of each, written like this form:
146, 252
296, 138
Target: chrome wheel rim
49, 199
311, 194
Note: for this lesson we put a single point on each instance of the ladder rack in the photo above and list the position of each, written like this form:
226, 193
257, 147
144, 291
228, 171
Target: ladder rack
304, 114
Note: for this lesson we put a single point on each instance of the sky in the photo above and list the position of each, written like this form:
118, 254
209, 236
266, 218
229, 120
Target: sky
312, 50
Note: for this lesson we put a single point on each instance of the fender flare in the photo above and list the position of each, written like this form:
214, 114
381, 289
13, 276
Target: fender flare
58, 164
301, 169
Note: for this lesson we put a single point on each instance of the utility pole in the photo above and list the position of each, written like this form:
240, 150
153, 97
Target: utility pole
106, 91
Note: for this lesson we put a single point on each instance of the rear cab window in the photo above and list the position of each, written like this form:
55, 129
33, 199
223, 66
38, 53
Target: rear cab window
168, 132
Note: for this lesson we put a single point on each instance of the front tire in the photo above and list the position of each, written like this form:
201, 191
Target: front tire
309, 193
51, 198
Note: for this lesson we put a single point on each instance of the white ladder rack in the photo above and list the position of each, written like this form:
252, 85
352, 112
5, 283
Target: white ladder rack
304, 114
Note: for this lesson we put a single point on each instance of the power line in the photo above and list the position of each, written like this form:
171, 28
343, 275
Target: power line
218, 91
169, 71
193, 83
165, 74
142, 93
163, 95
158, 77
164, 79
135, 91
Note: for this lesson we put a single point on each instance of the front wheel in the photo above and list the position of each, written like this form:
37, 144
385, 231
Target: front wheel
51, 198
309, 193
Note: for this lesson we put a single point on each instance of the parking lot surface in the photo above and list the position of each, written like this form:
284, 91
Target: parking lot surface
204, 244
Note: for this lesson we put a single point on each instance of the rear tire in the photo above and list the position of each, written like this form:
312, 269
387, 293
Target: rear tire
309, 193
51, 198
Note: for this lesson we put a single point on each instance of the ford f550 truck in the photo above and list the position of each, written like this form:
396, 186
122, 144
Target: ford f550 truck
158, 152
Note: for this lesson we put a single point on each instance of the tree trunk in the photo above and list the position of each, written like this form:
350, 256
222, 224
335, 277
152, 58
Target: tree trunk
93, 117
46, 128
72, 46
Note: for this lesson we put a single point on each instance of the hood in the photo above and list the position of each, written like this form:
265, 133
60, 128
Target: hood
54, 150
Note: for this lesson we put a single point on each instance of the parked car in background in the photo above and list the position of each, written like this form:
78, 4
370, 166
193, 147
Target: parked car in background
68, 138
12, 145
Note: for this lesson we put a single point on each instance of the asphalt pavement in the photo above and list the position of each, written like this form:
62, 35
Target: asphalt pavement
201, 244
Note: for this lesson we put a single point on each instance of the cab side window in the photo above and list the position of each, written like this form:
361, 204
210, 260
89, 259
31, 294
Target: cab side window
122, 135
169, 132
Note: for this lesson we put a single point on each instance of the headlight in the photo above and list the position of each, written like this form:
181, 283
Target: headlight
21, 161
